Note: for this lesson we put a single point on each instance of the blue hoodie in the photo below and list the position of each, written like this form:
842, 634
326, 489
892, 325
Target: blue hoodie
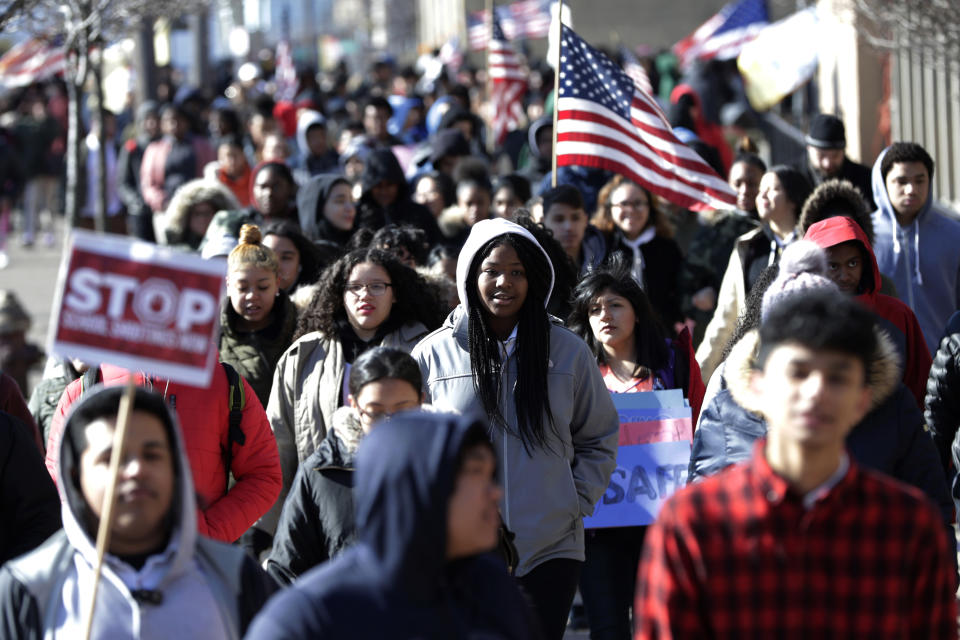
395, 581
923, 259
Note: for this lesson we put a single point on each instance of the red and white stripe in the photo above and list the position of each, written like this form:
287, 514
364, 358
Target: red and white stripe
285, 74
509, 86
30, 61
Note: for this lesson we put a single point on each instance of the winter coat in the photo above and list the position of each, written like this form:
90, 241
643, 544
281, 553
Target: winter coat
46, 395
311, 199
382, 166
223, 233
308, 386
942, 406
395, 581
153, 169
128, 175
254, 354
316, 523
548, 490
209, 589
204, 415
29, 507
853, 172
176, 219
896, 317
662, 262
312, 165
891, 438
922, 259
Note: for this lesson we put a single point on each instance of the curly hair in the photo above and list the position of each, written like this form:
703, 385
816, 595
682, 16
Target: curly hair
603, 218
415, 300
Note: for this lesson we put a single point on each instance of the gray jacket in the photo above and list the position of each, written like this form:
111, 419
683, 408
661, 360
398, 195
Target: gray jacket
549, 491
307, 388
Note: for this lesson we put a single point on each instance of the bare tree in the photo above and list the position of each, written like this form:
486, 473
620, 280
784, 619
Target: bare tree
930, 26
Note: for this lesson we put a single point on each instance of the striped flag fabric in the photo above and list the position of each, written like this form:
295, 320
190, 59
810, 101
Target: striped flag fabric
31, 61
285, 74
509, 84
604, 121
636, 71
528, 19
722, 36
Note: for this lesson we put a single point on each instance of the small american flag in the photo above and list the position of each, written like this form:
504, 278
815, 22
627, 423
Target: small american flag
509, 84
450, 54
528, 19
604, 121
31, 61
285, 75
723, 35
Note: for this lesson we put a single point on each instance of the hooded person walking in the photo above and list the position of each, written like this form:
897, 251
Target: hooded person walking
326, 209
160, 578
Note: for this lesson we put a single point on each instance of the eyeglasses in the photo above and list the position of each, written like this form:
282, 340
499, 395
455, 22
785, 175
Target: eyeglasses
375, 288
378, 416
633, 204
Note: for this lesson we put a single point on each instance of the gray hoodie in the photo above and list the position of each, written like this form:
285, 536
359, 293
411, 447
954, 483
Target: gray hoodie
548, 491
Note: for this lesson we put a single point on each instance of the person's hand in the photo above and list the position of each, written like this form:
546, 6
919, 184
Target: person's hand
705, 299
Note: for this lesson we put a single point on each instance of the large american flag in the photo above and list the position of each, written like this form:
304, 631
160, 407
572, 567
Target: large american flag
723, 35
509, 84
528, 19
605, 121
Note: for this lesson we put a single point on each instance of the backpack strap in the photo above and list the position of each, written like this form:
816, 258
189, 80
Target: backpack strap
236, 401
91, 377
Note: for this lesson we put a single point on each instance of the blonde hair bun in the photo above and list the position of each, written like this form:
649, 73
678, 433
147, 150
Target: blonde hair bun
250, 234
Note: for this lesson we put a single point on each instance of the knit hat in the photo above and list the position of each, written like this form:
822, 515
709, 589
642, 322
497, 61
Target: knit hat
13, 317
803, 268
827, 132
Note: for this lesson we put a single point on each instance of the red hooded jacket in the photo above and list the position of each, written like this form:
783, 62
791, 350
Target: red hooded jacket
901, 322
204, 420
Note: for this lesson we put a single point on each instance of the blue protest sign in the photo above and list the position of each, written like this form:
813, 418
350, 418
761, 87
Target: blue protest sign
646, 475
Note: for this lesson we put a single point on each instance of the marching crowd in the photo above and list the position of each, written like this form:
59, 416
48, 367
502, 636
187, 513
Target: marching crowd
419, 343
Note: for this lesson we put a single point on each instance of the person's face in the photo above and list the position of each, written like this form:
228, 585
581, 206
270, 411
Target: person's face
384, 193
339, 209
811, 398
545, 142
173, 125
344, 140
473, 518
317, 139
288, 259
381, 399
612, 320
353, 168
502, 284
827, 162
630, 209
745, 180
252, 292
199, 218
375, 121
475, 203
366, 310
505, 202
772, 201
231, 159
274, 148
145, 483
271, 193
151, 126
908, 185
568, 226
259, 127
428, 194
845, 266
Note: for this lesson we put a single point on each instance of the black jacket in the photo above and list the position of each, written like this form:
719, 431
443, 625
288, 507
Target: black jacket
890, 439
29, 504
382, 166
662, 262
317, 519
943, 394
855, 173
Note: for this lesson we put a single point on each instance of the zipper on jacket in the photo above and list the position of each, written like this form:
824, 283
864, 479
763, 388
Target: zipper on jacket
906, 264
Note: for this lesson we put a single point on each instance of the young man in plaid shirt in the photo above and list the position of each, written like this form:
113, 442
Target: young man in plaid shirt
800, 542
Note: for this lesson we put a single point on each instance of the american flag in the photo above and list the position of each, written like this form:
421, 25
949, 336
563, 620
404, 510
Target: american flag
31, 61
528, 19
509, 84
451, 55
723, 35
604, 121
285, 74
636, 71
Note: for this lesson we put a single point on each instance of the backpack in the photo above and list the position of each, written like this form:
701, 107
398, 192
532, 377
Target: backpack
235, 400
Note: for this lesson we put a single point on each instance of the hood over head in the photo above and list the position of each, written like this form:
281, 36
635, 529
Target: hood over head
481, 233
402, 105
306, 120
78, 519
383, 166
835, 198
405, 474
534, 129
448, 142
833, 231
192, 193
311, 198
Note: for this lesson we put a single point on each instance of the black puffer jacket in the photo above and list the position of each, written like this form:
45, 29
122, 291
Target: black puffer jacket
254, 354
943, 394
317, 519
890, 439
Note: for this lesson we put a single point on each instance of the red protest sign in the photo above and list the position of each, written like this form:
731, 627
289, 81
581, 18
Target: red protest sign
138, 306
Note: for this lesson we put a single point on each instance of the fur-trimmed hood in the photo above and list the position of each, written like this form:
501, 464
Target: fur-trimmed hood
883, 375
835, 196
194, 192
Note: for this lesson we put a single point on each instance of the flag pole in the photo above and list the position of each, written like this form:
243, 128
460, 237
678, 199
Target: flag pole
556, 93
493, 115
110, 499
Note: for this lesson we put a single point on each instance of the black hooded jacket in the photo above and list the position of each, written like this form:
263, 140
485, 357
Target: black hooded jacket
311, 199
382, 166
396, 581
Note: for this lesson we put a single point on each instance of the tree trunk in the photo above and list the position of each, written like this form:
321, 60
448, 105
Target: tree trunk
100, 211
72, 204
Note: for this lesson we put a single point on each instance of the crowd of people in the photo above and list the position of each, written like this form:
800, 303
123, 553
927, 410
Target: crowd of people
421, 336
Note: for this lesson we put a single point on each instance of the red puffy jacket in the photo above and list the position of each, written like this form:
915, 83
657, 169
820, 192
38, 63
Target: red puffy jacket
204, 420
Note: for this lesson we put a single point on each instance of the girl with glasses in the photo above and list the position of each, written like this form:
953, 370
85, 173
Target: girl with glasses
317, 518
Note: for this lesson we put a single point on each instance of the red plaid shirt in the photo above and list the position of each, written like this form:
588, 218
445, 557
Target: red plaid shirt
738, 556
